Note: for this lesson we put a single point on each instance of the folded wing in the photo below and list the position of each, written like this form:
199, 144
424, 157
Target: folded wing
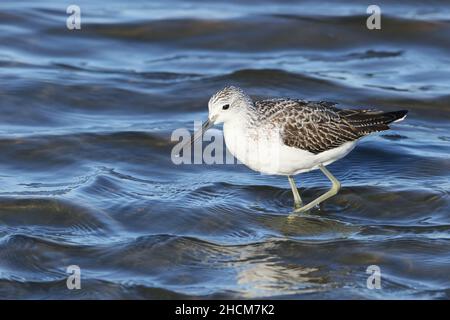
320, 126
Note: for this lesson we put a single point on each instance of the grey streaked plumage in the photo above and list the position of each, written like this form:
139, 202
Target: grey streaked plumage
288, 137
318, 126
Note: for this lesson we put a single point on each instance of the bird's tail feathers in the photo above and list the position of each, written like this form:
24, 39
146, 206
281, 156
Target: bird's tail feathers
368, 121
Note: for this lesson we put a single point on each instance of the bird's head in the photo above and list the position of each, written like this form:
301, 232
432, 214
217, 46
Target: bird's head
225, 105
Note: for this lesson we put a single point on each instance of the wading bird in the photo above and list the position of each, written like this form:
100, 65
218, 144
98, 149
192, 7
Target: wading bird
288, 136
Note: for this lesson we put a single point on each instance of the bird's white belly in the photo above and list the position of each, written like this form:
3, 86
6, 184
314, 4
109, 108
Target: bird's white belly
262, 150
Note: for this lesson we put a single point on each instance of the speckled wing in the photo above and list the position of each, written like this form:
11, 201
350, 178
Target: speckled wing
319, 126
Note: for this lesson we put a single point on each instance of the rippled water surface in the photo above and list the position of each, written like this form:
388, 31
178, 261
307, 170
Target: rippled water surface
86, 176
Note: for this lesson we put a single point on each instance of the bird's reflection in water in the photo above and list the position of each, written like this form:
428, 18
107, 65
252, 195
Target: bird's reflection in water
266, 276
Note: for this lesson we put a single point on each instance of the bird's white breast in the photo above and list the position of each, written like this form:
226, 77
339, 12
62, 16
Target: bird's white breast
262, 149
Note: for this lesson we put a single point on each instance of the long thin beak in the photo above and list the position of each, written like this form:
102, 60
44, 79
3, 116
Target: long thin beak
199, 133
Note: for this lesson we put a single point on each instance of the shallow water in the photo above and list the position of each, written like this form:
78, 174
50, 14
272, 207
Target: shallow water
86, 176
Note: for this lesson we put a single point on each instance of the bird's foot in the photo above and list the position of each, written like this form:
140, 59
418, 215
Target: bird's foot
298, 207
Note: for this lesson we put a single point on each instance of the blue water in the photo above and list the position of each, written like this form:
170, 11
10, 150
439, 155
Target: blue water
87, 179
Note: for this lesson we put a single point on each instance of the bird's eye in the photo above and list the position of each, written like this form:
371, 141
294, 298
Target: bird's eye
225, 107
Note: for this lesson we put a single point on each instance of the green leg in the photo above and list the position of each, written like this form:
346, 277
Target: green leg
298, 203
333, 191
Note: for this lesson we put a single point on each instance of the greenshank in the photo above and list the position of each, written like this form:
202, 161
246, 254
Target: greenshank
290, 136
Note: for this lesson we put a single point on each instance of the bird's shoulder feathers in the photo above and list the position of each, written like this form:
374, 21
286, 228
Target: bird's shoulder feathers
318, 126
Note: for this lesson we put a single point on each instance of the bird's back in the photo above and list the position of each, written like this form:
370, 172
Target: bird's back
318, 126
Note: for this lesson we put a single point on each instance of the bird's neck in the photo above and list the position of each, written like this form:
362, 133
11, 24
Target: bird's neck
241, 122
